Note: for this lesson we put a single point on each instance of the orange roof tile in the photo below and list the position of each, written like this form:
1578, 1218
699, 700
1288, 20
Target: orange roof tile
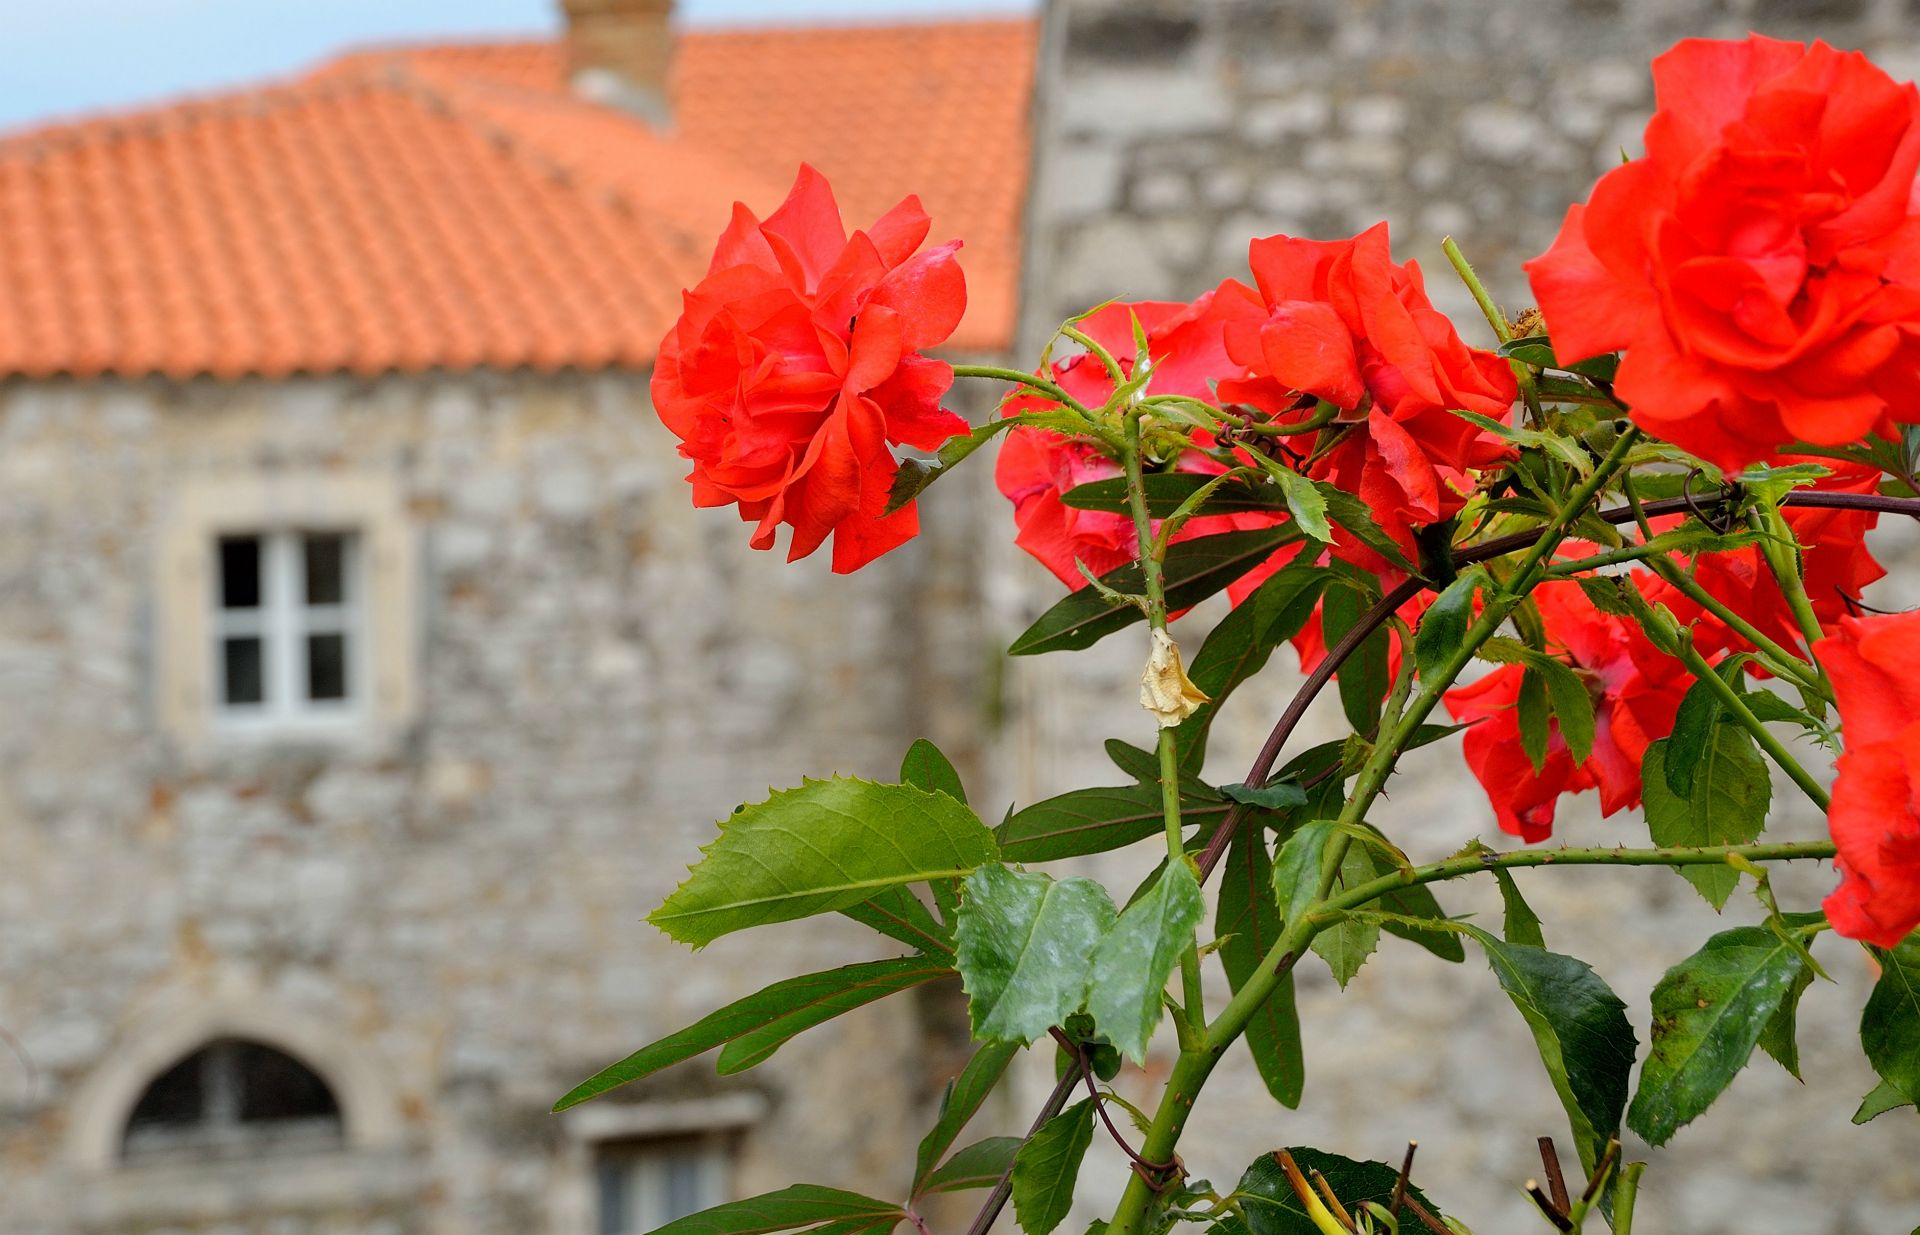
458, 207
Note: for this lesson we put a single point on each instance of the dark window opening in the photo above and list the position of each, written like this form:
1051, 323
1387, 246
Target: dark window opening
234, 1098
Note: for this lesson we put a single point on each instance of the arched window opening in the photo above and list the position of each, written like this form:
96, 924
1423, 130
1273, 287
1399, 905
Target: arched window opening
233, 1098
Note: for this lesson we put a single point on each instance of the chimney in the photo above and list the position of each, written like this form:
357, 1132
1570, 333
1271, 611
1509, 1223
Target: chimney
619, 53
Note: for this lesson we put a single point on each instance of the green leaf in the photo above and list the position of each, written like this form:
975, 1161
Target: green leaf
1345, 945
862, 984
1728, 806
1522, 924
1537, 350
1046, 1167
1166, 491
819, 996
1604, 592
1358, 518
791, 1209
1095, 821
914, 475
1890, 1025
1296, 868
1581, 1029
1134, 961
960, 1101
1248, 923
1534, 718
1708, 1014
1363, 679
1272, 1208
1572, 705
926, 768
1275, 795
898, 914
1142, 765
1024, 943
979, 1165
1781, 1038
1443, 628
1194, 570
1686, 746
1886, 1096
1305, 502
825, 846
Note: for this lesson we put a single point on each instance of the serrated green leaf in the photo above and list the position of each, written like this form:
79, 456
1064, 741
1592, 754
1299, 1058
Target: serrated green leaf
1024, 940
1731, 794
1581, 1029
864, 985
979, 1165
1167, 491
1604, 591
1272, 1207
1047, 1166
898, 914
1296, 868
914, 475
825, 846
1890, 1024
1358, 518
795, 1004
1275, 795
1534, 716
1522, 924
791, 1209
1345, 945
1572, 705
1708, 1014
1193, 570
1686, 746
1443, 628
1781, 1037
1133, 962
1095, 821
1364, 678
925, 767
1248, 922
960, 1101
1537, 350
1305, 502
1886, 1096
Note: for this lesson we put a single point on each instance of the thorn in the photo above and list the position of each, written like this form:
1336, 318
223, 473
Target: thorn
1400, 1184
1539, 1198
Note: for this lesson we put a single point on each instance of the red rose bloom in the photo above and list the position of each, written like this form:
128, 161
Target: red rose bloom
1637, 691
797, 361
1875, 817
1761, 265
1339, 321
1036, 467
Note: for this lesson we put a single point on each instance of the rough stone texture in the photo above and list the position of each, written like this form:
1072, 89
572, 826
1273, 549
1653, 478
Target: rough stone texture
606, 672
1321, 117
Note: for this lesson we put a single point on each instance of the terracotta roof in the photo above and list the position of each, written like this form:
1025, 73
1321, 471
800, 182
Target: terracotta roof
457, 207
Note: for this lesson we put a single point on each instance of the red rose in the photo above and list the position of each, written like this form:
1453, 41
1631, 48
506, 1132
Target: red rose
1637, 691
1339, 321
1761, 265
1875, 817
1037, 467
797, 361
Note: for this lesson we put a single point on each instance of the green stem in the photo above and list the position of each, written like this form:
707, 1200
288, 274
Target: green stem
1737, 708
1032, 381
1522, 373
1624, 1197
1783, 558
1778, 659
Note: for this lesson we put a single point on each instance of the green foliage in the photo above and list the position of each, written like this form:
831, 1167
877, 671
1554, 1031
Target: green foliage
1248, 922
1024, 940
898, 914
979, 1165
960, 1101
1272, 1208
1137, 956
1358, 518
1709, 1012
1096, 820
1521, 924
925, 767
1443, 628
1194, 570
1730, 794
1548, 684
1296, 868
1305, 503
1580, 1027
766, 1019
1345, 945
1890, 1025
1886, 1096
1168, 491
1045, 1169
1364, 678
1275, 795
825, 846
829, 1211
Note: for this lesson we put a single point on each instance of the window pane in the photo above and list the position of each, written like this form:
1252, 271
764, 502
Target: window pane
326, 667
176, 1098
277, 1086
245, 679
686, 1184
616, 1197
239, 572
326, 568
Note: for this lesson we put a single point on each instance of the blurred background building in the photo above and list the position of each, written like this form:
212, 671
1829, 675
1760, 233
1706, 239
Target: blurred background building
370, 677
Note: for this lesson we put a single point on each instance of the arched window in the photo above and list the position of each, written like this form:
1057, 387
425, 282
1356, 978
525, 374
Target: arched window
234, 1097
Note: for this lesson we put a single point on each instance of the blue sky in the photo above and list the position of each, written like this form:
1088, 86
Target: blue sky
58, 57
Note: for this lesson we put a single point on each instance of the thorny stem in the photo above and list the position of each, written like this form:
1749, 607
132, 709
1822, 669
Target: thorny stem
1783, 558
1193, 1012
1033, 381
1624, 1196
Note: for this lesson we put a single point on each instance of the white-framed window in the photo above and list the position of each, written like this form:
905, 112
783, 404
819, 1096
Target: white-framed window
233, 1098
288, 627
644, 1183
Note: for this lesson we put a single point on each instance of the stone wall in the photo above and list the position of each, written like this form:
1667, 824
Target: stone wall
1170, 133
448, 921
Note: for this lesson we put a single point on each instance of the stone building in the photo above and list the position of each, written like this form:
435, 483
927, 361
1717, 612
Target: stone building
368, 675
1167, 134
